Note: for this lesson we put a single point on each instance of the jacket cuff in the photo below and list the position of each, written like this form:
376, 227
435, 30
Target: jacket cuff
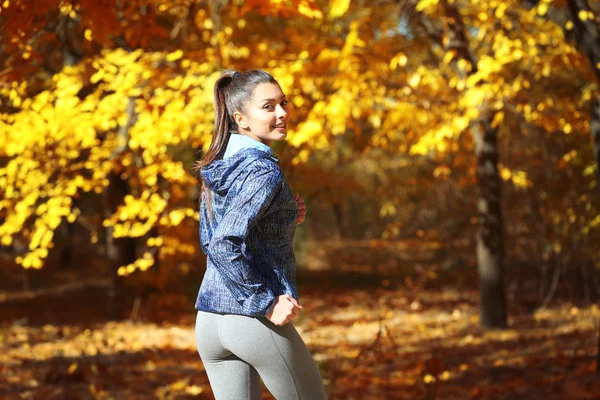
259, 303
271, 306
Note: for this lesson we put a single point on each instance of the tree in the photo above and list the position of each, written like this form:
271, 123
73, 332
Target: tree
114, 116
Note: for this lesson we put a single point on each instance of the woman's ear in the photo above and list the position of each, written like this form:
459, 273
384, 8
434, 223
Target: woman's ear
240, 120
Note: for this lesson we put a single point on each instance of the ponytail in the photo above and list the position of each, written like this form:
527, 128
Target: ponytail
224, 123
221, 133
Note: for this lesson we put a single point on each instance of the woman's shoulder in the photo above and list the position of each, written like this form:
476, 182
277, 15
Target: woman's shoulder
260, 171
258, 162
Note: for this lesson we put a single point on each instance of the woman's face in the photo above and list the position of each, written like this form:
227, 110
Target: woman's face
266, 116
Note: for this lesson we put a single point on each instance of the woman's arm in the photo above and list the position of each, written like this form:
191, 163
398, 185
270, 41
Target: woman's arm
225, 249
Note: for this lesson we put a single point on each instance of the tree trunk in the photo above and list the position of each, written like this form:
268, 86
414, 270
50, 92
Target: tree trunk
490, 244
339, 218
119, 252
115, 191
67, 233
490, 251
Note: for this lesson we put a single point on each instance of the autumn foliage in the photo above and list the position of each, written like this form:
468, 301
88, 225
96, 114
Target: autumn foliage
105, 106
129, 100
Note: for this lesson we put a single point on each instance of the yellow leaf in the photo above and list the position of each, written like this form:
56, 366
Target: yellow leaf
338, 8
305, 10
399, 60
448, 57
498, 118
174, 56
442, 170
72, 368
194, 390
414, 80
500, 11
375, 121
463, 64
424, 4
387, 208
97, 76
520, 179
419, 148
180, 384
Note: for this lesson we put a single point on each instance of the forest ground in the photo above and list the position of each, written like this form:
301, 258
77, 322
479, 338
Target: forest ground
379, 328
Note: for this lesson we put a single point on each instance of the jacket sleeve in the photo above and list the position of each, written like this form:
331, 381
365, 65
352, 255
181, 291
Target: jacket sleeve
226, 248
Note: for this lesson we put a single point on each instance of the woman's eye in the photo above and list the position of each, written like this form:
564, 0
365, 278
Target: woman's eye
271, 106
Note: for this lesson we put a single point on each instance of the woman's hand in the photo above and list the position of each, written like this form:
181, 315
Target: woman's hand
301, 209
286, 308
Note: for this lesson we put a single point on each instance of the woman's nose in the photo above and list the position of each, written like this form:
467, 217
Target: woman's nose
281, 112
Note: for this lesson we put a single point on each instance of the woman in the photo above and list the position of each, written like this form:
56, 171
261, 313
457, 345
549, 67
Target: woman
248, 215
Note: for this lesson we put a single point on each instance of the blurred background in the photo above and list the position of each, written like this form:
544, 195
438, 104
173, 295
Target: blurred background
448, 153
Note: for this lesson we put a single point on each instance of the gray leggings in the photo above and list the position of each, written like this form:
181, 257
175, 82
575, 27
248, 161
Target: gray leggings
236, 349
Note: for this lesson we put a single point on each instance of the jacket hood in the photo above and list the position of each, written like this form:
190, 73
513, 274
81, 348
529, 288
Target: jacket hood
220, 174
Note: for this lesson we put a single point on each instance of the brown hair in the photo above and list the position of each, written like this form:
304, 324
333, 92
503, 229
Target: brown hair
233, 91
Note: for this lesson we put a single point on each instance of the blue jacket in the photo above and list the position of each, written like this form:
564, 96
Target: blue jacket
248, 236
